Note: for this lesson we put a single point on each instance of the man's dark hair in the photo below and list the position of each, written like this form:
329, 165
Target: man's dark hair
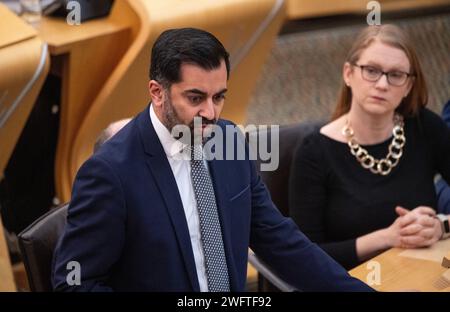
175, 47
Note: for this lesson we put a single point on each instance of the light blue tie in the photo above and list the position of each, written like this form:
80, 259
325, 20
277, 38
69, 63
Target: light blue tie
210, 229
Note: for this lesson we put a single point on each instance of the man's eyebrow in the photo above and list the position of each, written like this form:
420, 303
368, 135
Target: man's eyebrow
200, 92
222, 91
195, 91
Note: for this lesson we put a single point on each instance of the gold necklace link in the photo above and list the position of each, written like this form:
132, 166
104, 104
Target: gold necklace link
395, 151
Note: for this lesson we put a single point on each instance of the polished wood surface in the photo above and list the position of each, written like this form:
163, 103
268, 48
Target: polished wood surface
313, 8
398, 5
297, 9
62, 37
24, 65
23, 59
20, 53
6, 274
399, 272
84, 56
9, 21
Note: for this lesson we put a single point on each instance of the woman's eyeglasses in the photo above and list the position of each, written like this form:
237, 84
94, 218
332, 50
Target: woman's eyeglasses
396, 78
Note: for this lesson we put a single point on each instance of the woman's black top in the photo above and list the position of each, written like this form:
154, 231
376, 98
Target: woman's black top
334, 200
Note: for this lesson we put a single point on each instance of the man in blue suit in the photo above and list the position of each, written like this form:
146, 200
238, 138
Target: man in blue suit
139, 219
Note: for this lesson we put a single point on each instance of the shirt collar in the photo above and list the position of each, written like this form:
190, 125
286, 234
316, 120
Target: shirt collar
172, 147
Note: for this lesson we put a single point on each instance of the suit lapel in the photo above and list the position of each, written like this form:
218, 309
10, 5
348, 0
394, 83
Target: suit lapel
163, 177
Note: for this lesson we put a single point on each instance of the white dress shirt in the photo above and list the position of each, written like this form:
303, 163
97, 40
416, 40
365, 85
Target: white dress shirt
181, 169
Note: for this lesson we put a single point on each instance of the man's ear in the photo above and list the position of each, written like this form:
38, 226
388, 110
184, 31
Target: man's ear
156, 92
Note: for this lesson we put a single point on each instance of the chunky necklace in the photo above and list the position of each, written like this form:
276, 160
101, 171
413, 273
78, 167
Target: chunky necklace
378, 166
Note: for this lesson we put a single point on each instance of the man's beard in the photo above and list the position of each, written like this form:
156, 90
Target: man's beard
171, 119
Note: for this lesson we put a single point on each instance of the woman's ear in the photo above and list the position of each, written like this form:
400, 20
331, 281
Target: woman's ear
410, 85
156, 92
347, 73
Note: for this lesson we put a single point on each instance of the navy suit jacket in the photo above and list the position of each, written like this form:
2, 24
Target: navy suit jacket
127, 229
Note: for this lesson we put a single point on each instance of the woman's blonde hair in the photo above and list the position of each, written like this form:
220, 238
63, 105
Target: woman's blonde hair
397, 38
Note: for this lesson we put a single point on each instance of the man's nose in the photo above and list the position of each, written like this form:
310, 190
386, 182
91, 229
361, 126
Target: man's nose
207, 110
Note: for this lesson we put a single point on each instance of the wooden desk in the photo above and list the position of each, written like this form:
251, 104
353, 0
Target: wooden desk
83, 56
62, 37
6, 275
401, 272
24, 66
311, 8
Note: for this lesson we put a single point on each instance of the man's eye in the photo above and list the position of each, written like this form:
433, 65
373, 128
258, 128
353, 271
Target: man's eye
195, 99
219, 97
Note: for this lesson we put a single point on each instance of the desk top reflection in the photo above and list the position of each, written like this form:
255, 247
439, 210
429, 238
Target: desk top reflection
413, 269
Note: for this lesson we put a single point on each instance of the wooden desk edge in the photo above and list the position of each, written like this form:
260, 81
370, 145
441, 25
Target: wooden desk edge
60, 36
